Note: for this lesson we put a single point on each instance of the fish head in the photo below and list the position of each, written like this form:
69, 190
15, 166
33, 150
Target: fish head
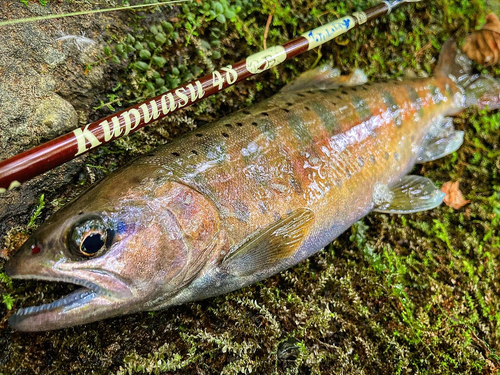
131, 246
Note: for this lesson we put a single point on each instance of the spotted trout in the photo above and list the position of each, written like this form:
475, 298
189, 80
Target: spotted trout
246, 197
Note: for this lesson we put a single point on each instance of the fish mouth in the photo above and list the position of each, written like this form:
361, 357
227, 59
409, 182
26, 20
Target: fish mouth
84, 305
32, 317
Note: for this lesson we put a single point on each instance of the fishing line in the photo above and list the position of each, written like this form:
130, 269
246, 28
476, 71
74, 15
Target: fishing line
81, 13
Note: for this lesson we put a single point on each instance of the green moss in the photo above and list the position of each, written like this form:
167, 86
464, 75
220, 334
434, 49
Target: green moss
37, 212
42, 2
395, 294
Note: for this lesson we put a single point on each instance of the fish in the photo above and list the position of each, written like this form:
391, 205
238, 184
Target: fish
246, 197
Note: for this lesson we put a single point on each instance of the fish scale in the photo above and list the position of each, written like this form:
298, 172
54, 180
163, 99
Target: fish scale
293, 137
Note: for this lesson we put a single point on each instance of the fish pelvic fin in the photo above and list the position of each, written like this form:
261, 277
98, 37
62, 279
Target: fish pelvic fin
270, 246
411, 194
441, 140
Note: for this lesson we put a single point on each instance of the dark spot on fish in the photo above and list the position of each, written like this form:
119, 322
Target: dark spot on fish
229, 126
299, 128
344, 92
338, 97
327, 117
396, 156
415, 98
194, 152
437, 97
239, 124
225, 135
246, 112
307, 108
372, 159
286, 110
264, 114
393, 106
361, 162
362, 108
199, 135
80, 213
176, 154
348, 174
262, 207
386, 156
301, 95
296, 185
365, 88
289, 104
276, 215
135, 180
241, 211
254, 123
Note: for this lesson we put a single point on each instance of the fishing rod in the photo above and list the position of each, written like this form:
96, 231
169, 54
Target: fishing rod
33, 162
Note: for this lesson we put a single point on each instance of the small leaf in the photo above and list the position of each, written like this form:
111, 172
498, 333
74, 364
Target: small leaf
141, 65
8, 301
107, 51
159, 61
161, 38
120, 48
221, 18
454, 197
145, 54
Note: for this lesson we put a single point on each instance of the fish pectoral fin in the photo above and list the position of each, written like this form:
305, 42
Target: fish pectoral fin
442, 140
269, 246
410, 194
324, 78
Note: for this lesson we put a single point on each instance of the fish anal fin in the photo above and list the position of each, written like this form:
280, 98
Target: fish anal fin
324, 78
269, 246
411, 194
442, 140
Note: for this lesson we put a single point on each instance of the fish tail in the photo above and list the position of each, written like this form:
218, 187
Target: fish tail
484, 92
480, 90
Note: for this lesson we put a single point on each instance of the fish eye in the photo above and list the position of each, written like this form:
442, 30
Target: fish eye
90, 237
92, 244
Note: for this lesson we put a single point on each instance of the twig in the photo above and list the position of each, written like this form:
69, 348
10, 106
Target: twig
268, 23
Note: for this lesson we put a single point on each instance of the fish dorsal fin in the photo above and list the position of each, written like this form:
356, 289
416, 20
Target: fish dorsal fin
410, 194
324, 78
441, 140
269, 246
